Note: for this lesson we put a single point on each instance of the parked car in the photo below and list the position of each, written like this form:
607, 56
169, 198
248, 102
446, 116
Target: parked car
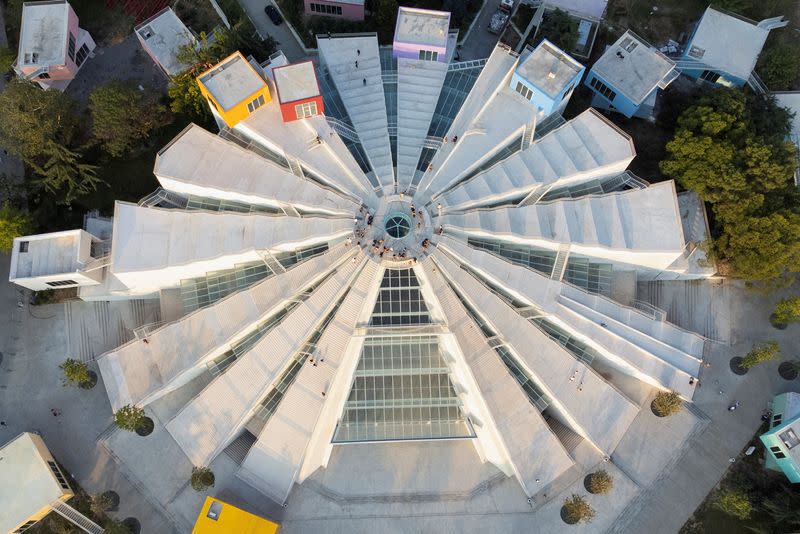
498, 22
507, 5
273, 14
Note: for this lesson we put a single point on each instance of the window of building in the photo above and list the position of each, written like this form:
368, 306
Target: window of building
777, 452
57, 472
603, 89
568, 92
325, 9
71, 47
709, 76
428, 55
44, 76
59, 283
308, 109
789, 438
255, 104
628, 44
524, 90
214, 510
82, 54
777, 419
23, 246
696, 52
25, 526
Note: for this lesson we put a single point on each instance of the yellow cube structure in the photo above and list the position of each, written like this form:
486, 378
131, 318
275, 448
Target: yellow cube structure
233, 89
217, 517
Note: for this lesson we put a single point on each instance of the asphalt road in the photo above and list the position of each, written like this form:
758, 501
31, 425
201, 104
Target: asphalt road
287, 42
480, 42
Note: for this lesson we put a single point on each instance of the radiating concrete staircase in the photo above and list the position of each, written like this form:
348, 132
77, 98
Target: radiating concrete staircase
364, 102
418, 86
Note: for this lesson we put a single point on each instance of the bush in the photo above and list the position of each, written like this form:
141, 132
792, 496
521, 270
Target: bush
764, 353
202, 478
7, 57
734, 502
786, 311
13, 223
576, 510
75, 373
666, 403
113, 526
781, 67
130, 418
600, 482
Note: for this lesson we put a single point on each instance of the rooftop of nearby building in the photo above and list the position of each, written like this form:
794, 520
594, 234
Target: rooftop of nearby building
48, 254
34, 485
727, 43
634, 68
43, 33
217, 517
231, 80
296, 82
422, 26
549, 68
163, 35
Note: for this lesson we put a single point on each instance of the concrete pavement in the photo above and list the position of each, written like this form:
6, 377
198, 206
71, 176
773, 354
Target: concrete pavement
32, 345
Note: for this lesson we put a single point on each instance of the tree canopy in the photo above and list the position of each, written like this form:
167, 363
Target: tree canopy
731, 149
13, 223
123, 115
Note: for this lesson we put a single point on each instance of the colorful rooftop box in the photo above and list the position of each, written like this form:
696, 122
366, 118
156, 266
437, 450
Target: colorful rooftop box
547, 77
217, 517
782, 440
298, 91
421, 34
233, 89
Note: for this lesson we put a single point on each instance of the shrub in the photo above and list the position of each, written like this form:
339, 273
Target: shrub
764, 353
666, 403
13, 223
113, 526
129, 417
576, 510
75, 372
202, 478
600, 482
734, 502
786, 311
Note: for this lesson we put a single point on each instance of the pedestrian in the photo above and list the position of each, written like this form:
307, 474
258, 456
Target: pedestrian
356, 63
365, 81
604, 325
430, 166
445, 139
145, 341
3, 423
691, 380
329, 35
358, 52
319, 140
455, 139
323, 393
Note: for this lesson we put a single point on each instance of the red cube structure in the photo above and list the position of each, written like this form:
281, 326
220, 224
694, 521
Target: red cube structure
298, 91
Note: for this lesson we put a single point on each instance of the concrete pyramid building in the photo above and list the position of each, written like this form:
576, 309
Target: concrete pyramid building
320, 289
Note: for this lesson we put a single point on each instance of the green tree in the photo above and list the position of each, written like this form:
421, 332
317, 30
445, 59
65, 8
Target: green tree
32, 119
7, 57
734, 502
759, 354
600, 482
13, 223
577, 510
782, 509
731, 149
123, 116
130, 417
666, 403
780, 67
64, 173
202, 478
75, 372
561, 29
787, 311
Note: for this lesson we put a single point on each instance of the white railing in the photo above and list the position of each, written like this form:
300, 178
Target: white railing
145, 330
432, 142
76, 518
465, 65
343, 129
656, 313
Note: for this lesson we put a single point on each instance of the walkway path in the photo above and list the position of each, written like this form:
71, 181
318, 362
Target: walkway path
282, 34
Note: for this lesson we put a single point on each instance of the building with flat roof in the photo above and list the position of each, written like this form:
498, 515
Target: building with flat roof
421, 34
425, 291
218, 517
52, 47
345, 9
547, 76
782, 440
39, 485
297, 90
162, 36
628, 76
724, 48
234, 89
